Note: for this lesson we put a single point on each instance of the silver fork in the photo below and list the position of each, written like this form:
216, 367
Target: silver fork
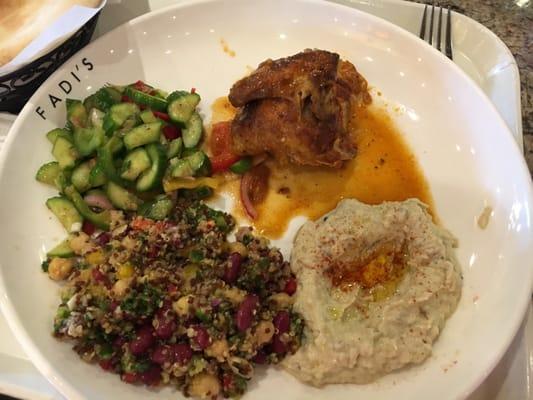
430, 33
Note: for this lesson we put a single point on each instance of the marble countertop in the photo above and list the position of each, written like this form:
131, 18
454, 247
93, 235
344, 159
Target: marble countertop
512, 21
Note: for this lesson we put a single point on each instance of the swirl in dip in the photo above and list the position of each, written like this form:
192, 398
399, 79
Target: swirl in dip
375, 286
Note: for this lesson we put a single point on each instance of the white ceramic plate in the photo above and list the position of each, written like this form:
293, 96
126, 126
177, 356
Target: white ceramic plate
465, 149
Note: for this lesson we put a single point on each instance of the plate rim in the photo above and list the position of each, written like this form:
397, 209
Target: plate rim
7, 307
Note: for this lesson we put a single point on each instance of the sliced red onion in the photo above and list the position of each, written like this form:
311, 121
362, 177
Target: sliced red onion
97, 200
245, 198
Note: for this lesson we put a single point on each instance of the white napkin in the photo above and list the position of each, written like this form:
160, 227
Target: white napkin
62, 28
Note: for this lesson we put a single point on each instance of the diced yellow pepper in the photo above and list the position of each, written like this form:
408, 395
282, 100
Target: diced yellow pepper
95, 258
125, 271
172, 184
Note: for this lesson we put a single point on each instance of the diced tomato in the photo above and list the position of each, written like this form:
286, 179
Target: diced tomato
220, 146
142, 87
126, 99
193, 90
220, 138
223, 161
171, 132
290, 286
161, 115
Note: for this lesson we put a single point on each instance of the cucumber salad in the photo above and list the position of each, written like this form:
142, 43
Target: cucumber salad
153, 289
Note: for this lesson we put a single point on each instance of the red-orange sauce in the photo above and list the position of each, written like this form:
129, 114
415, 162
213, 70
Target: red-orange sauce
383, 169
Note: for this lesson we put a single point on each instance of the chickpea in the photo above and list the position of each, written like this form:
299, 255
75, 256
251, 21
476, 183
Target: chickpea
129, 243
182, 306
236, 296
283, 300
204, 386
263, 333
121, 286
80, 243
60, 268
238, 247
219, 349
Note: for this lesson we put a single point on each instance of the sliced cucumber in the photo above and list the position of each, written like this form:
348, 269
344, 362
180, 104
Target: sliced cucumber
151, 178
176, 94
197, 164
192, 133
81, 176
182, 107
66, 213
101, 220
76, 113
62, 250
200, 163
63, 179
174, 148
147, 117
122, 198
55, 133
97, 176
143, 134
158, 209
87, 140
48, 173
181, 168
65, 152
103, 99
135, 163
96, 118
153, 102
106, 161
197, 193
117, 115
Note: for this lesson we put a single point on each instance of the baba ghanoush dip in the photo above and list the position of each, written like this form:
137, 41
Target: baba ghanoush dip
376, 284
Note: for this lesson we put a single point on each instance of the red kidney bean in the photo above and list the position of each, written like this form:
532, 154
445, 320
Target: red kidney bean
113, 305
260, 357
130, 377
290, 286
152, 377
118, 342
278, 346
234, 268
165, 328
245, 312
103, 238
143, 340
171, 288
100, 277
182, 353
202, 338
88, 227
282, 322
162, 354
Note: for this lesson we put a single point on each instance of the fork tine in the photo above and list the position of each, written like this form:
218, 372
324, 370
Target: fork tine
439, 29
448, 34
431, 24
423, 24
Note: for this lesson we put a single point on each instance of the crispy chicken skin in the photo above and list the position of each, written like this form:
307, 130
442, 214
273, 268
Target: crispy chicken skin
298, 109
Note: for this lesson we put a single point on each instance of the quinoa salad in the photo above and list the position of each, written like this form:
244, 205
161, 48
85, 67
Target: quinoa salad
174, 302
